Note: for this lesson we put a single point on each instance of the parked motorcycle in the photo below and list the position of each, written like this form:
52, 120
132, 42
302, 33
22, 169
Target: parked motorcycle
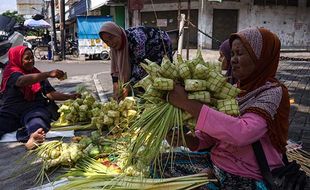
10, 36
71, 48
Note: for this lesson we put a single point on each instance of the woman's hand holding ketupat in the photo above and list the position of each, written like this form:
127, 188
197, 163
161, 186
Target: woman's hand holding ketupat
178, 98
59, 74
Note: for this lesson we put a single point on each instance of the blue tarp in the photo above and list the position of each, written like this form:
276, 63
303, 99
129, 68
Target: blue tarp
89, 26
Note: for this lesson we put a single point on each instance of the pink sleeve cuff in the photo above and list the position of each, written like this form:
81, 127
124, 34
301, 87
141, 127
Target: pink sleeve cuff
240, 131
205, 141
202, 119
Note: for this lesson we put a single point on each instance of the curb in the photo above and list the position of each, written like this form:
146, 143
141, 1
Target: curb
100, 91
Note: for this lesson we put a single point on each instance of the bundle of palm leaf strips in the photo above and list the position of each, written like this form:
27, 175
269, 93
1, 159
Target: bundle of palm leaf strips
89, 174
203, 82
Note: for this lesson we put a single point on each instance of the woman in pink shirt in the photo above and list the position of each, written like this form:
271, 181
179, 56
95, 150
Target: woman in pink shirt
264, 107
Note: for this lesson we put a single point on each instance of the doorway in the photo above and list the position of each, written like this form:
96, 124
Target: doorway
225, 22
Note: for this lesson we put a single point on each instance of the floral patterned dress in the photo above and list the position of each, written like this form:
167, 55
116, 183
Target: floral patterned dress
146, 43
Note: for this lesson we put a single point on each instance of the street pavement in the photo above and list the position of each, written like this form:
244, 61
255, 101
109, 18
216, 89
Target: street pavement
296, 76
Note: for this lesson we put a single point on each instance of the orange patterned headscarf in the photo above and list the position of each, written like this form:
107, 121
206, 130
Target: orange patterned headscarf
264, 49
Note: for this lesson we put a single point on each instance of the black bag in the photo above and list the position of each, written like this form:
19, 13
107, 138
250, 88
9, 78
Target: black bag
52, 107
287, 177
1, 101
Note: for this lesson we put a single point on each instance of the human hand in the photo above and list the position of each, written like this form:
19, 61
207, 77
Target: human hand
75, 96
120, 95
56, 74
174, 137
125, 92
178, 96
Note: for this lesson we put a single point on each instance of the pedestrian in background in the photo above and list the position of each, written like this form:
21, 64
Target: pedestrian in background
225, 58
129, 48
46, 39
25, 91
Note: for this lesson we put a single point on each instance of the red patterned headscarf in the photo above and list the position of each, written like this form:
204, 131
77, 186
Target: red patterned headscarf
15, 65
264, 48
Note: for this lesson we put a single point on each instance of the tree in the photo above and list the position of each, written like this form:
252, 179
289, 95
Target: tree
19, 18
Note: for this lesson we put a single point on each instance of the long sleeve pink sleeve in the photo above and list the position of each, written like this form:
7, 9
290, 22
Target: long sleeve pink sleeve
205, 140
239, 131
233, 137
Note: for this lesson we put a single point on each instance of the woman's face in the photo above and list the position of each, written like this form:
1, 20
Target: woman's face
28, 60
111, 40
223, 60
242, 64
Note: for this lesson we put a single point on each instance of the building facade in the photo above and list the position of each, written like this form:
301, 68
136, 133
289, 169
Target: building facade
27, 8
289, 19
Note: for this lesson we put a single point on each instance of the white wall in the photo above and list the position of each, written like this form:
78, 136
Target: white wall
291, 24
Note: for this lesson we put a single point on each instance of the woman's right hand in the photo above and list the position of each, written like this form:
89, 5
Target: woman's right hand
178, 96
174, 138
56, 74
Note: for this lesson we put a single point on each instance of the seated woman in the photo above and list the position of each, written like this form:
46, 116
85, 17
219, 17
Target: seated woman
23, 102
130, 47
264, 107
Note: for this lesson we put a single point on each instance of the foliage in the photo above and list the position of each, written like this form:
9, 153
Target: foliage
14, 14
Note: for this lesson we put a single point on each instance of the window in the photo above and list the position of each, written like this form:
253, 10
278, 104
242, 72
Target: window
278, 2
259, 2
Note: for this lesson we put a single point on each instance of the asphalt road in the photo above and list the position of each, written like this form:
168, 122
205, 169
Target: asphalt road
75, 68
80, 73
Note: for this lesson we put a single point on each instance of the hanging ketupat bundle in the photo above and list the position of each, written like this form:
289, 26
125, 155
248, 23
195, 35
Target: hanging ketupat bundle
168, 69
201, 72
216, 66
198, 60
228, 106
202, 96
215, 81
195, 85
144, 83
152, 91
184, 71
183, 68
227, 91
152, 68
196, 75
163, 84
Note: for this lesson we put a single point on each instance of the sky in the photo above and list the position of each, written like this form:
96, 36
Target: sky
7, 5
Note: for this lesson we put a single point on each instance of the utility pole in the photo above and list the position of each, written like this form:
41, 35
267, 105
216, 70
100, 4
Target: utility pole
136, 18
62, 29
135, 6
181, 34
54, 27
179, 13
188, 25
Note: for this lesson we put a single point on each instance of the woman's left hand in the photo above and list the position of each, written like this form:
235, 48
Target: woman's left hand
178, 96
123, 94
